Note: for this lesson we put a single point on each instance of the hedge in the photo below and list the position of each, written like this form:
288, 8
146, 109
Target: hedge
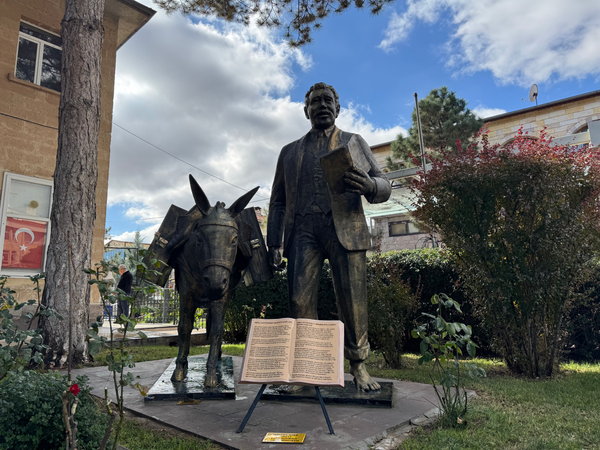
426, 272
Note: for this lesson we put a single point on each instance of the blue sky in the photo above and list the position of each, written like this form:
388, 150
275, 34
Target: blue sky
225, 99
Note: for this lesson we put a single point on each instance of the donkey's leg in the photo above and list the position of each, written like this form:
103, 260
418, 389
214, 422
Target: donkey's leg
184, 330
217, 326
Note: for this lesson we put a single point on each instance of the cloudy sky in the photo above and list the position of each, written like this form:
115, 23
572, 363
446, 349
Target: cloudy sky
219, 101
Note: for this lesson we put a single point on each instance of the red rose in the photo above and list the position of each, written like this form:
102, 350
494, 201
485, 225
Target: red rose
74, 389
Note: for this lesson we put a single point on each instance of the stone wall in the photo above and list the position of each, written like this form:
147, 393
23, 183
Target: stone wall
561, 118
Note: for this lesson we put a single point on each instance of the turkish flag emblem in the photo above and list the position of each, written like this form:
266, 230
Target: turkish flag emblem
23, 244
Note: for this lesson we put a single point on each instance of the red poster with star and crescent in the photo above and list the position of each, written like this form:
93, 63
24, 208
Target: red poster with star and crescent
23, 244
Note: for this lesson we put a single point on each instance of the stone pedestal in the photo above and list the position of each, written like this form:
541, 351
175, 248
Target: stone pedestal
193, 385
345, 395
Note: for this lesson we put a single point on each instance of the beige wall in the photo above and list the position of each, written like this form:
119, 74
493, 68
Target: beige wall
381, 152
559, 119
387, 242
28, 140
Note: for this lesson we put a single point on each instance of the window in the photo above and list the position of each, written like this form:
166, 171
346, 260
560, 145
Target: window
511, 141
402, 228
39, 57
26, 206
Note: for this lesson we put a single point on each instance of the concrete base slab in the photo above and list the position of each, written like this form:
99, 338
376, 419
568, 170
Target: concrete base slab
356, 427
332, 394
193, 385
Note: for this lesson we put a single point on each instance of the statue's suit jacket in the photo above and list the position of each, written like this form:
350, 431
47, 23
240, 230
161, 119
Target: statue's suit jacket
348, 215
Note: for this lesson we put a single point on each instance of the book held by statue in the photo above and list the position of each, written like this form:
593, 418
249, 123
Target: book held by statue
337, 162
294, 351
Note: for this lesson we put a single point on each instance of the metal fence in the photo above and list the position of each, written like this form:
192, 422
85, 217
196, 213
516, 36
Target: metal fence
165, 303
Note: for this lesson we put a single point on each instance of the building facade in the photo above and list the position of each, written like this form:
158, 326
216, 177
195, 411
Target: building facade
30, 59
391, 223
570, 121
561, 118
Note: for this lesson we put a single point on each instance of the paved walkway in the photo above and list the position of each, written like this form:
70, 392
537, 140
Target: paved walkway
356, 427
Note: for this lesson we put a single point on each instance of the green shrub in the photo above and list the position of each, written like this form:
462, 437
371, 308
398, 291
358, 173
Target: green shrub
523, 222
442, 343
428, 272
391, 309
583, 325
425, 271
31, 411
21, 348
270, 301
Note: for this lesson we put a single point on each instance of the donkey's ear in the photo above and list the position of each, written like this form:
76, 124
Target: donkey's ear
199, 196
239, 205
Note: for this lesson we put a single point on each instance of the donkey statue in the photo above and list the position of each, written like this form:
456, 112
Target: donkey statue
209, 264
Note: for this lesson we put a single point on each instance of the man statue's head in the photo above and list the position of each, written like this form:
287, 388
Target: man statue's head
321, 106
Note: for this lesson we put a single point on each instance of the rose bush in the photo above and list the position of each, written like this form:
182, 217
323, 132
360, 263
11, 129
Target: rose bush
31, 412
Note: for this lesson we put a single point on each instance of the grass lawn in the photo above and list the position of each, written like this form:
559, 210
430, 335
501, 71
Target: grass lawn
154, 352
139, 436
515, 413
509, 413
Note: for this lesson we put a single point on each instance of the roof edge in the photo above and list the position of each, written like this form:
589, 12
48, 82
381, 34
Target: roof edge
382, 144
544, 105
136, 5
148, 12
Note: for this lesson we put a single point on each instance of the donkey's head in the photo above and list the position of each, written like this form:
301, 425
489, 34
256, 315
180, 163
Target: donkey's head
216, 238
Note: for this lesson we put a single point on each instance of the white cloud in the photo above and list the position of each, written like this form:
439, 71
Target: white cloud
350, 119
215, 95
400, 26
483, 112
518, 42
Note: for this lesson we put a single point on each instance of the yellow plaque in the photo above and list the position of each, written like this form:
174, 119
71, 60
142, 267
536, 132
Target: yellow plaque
188, 401
285, 438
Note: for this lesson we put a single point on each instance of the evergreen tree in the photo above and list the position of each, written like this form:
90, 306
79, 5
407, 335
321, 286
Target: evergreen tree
133, 254
444, 120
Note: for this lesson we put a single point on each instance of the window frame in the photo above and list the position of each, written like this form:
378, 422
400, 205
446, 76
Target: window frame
39, 57
6, 189
406, 225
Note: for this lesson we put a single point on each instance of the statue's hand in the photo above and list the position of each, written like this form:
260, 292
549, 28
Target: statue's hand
358, 181
275, 258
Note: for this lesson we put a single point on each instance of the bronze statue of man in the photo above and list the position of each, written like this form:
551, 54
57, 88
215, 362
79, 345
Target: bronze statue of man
318, 224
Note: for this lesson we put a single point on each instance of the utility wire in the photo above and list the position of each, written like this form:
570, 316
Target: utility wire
29, 121
151, 144
185, 162
136, 220
155, 146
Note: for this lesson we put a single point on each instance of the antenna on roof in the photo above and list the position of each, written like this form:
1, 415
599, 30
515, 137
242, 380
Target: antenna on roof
533, 94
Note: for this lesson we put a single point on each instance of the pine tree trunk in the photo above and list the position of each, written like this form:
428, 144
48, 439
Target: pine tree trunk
75, 179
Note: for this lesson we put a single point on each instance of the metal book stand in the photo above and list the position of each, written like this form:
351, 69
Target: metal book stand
257, 398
